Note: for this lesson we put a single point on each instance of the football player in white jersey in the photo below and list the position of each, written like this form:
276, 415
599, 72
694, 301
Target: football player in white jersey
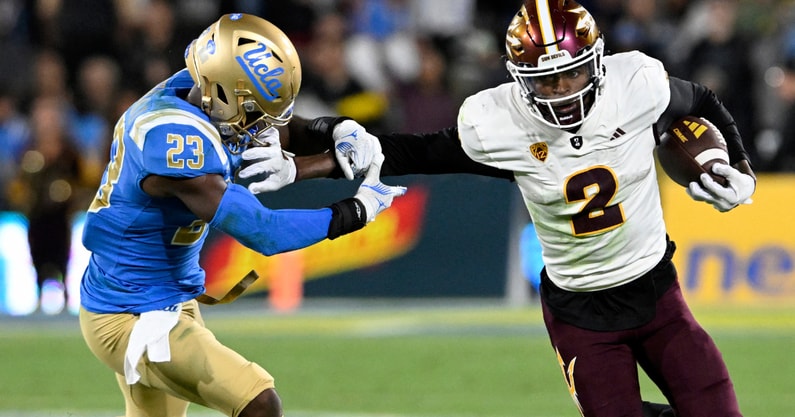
576, 130
174, 157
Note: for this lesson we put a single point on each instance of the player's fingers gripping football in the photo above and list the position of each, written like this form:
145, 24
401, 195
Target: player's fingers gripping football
738, 189
270, 160
375, 195
697, 192
354, 148
741, 184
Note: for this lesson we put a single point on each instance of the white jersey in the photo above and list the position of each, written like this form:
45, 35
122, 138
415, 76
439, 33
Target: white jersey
593, 194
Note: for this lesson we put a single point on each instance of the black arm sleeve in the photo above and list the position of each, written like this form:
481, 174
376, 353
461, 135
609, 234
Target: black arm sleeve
431, 153
689, 98
311, 136
405, 154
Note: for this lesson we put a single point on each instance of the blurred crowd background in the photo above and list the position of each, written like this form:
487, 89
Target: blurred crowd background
70, 68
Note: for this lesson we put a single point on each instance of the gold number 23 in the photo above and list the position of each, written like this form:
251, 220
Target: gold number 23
179, 144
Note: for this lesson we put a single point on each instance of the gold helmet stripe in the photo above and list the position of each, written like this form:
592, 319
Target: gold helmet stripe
545, 23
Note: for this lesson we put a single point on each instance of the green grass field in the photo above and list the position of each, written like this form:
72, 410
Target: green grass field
387, 360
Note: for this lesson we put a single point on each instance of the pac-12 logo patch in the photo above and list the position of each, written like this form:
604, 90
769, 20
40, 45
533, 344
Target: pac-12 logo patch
539, 151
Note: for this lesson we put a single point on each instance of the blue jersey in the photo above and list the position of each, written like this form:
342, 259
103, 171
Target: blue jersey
145, 250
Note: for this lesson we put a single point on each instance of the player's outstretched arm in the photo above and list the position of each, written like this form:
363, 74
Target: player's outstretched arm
353, 147
303, 151
405, 153
234, 210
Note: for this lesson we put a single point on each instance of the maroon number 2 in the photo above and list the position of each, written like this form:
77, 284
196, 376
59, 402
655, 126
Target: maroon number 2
596, 186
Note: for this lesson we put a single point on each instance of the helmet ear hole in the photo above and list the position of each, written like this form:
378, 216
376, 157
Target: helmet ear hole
220, 93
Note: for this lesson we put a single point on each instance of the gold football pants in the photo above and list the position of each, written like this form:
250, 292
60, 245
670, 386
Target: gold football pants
201, 369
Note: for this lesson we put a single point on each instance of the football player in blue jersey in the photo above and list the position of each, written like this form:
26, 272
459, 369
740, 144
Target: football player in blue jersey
576, 130
174, 156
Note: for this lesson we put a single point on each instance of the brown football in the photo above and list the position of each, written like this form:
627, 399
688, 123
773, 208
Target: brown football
690, 147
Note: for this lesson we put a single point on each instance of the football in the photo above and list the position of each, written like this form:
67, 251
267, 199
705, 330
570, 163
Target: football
690, 147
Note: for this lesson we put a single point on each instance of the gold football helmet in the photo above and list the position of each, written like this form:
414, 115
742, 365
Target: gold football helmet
549, 39
248, 73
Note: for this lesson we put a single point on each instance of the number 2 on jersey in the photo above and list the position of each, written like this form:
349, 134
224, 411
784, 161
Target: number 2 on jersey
596, 186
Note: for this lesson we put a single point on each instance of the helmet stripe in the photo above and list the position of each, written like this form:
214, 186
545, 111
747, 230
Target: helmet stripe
546, 26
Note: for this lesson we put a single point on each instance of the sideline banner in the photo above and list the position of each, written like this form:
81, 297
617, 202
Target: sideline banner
744, 256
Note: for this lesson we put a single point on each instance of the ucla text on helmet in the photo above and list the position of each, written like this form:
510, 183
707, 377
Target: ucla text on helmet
264, 79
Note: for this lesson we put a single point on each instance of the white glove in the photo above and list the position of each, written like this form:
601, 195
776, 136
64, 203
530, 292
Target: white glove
354, 148
375, 195
272, 161
738, 190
